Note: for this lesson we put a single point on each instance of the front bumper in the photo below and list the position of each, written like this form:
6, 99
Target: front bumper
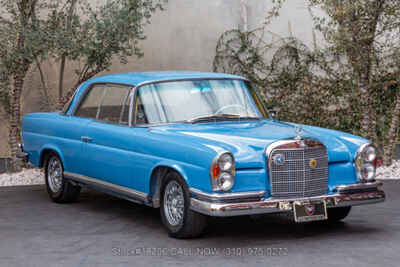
235, 204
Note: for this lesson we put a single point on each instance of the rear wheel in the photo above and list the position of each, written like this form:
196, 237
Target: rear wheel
177, 217
338, 214
59, 189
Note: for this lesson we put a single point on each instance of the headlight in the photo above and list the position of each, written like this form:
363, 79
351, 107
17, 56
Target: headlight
365, 163
222, 172
225, 181
370, 153
225, 162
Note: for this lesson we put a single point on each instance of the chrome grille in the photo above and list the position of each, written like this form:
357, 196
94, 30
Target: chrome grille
295, 178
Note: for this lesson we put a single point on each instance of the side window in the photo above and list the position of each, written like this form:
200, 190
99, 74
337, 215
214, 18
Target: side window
90, 105
139, 111
125, 111
114, 107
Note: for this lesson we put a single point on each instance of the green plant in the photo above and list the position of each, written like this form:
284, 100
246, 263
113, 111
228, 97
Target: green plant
93, 37
32, 31
349, 83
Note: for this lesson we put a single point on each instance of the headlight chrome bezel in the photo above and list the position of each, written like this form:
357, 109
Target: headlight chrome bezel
363, 161
222, 179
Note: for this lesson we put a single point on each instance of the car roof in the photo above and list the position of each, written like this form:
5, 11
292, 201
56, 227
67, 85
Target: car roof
136, 78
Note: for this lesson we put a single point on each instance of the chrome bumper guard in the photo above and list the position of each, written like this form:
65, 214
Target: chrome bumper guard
235, 204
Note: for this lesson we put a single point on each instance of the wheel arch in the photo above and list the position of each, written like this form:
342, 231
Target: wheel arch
157, 174
45, 151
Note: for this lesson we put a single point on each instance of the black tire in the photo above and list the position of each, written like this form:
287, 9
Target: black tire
192, 224
338, 214
66, 192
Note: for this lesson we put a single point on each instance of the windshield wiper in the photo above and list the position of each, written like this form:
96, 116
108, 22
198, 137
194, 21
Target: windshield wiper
221, 117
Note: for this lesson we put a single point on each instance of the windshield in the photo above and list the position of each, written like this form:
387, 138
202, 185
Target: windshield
180, 101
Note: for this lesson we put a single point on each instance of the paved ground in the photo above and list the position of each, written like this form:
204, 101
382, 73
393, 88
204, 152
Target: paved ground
104, 231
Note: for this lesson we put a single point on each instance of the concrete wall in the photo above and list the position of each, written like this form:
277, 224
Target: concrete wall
183, 37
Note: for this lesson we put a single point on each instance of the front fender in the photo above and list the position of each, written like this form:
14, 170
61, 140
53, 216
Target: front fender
194, 176
51, 147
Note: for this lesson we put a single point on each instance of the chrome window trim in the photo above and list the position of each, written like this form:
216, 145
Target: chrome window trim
87, 90
67, 107
105, 90
129, 87
134, 90
131, 105
124, 106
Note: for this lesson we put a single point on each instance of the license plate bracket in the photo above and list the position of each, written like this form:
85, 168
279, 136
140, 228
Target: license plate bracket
308, 211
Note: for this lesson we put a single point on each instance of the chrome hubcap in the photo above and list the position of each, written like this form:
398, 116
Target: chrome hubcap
54, 174
174, 203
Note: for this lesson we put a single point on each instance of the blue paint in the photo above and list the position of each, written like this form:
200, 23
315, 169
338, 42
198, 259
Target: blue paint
127, 156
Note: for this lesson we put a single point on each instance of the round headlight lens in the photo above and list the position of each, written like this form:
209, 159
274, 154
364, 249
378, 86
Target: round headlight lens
367, 172
225, 162
365, 163
225, 181
369, 154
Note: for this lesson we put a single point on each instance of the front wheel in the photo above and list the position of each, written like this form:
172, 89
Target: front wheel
59, 189
177, 217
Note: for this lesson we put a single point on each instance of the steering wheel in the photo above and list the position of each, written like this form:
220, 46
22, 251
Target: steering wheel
219, 111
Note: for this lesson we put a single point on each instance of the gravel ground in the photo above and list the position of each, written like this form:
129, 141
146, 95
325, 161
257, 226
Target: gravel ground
26, 177
35, 176
392, 172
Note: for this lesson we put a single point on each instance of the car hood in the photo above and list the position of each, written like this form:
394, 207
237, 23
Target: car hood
248, 140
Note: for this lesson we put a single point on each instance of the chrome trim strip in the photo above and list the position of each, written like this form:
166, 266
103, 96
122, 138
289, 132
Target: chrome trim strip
279, 143
278, 205
358, 186
224, 196
126, 190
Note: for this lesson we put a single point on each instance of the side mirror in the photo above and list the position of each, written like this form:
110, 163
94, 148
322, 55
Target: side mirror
272, 114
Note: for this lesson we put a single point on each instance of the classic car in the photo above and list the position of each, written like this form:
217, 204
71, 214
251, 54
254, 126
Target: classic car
197, 145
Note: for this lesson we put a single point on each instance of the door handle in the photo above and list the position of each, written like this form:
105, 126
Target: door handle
86, 139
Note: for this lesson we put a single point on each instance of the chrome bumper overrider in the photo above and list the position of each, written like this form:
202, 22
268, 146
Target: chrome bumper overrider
235, 204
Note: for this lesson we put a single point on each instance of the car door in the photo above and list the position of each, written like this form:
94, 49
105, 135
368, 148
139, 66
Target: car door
77, 126
109, 139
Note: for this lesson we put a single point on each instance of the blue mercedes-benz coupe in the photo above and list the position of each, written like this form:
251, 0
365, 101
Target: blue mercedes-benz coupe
197, 145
